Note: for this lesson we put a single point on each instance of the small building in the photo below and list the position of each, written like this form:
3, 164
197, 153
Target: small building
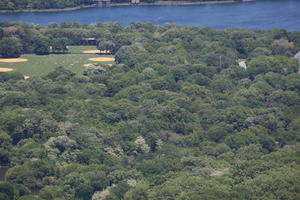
90, 41
297, 56
135, 2
103, 3
242, 64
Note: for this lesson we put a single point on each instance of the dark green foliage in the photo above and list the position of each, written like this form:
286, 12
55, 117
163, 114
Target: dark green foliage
108, 46
241, 139
6, 76
264, 64
176, 118
271, 185
4, 196
10, 48
60, 74
29, 197
29, 4
59, 45
131, 55
151, 168
120, 190
4, 157
11, 5
1, 33
30, 174
7, 189
41, 45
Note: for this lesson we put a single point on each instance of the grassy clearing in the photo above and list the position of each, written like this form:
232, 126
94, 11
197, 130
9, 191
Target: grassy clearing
42, 65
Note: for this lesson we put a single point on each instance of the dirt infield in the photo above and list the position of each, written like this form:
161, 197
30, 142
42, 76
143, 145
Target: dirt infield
95, 51
6, 69
102, 59
88, 65
26, 77
13, 60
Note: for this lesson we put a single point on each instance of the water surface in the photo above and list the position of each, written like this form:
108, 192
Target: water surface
262, 14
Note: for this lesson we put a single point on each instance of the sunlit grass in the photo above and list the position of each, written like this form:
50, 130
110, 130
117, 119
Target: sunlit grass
42, 65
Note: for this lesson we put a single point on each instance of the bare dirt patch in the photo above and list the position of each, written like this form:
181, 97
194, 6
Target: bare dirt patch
88, 65
102, 59
6, 69
220, 172
13, 60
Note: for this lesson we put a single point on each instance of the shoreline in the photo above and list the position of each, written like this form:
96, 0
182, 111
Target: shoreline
160, 3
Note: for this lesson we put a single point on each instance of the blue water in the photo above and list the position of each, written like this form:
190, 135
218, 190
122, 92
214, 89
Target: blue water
264, 14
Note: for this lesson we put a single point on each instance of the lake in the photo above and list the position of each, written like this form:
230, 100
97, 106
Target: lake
263, 14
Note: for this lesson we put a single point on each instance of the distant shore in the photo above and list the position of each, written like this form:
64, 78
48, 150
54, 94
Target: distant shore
159, 3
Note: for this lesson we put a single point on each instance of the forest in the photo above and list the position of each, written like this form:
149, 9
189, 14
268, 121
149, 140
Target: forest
60, 4
175, 118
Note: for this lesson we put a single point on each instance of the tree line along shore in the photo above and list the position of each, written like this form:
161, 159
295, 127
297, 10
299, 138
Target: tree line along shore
10, 7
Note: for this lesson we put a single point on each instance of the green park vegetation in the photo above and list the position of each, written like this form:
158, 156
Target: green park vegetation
38, 65
175, 118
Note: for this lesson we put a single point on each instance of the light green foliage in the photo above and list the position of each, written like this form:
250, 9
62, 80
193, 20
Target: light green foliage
264, 64
131, 55
61, 146
240, 139
51, 192
282, 47
292, 82
5, 140
175, 119
272, 185
189, 187
141, 145
139, 192
30, 173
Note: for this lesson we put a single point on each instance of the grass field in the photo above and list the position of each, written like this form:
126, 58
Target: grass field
42, 65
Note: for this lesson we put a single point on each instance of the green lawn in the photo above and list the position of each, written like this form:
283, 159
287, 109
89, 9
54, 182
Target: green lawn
42, 65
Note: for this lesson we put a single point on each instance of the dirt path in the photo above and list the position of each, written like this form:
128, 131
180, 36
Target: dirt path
102, 59
3, 69
13, 60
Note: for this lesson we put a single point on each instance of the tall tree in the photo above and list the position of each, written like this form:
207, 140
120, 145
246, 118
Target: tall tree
10, 48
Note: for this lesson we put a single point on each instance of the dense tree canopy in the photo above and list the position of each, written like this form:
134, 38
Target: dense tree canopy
174, 118
10, 47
